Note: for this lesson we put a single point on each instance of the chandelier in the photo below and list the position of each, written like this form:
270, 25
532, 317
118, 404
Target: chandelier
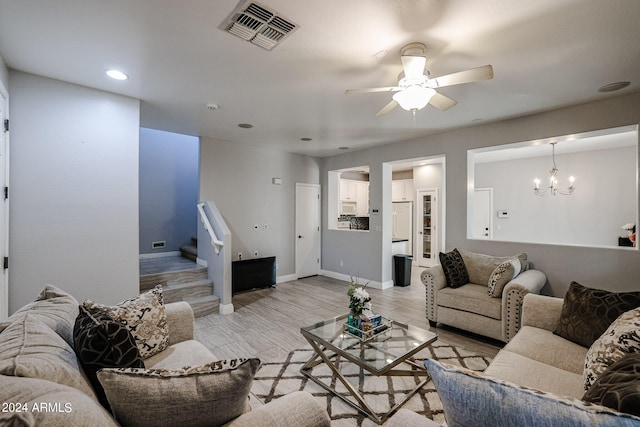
553, 187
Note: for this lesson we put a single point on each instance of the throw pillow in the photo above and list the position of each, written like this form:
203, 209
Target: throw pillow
101, 342
503, 274
619, 386
206, 395
471, 399
454, 269
587, 313
145, 318
621, 338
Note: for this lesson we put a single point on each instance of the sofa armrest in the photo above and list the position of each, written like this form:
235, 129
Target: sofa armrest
541, 311
433, 279
180, 322
295, 409
530, 281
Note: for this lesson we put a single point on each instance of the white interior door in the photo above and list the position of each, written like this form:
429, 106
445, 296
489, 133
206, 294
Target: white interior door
482, 213
4, 206
307, 230
427, 228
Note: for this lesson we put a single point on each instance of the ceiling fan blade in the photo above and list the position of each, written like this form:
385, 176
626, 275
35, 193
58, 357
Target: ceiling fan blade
442, 102
413, 66
374, 89
480, 73
390, 106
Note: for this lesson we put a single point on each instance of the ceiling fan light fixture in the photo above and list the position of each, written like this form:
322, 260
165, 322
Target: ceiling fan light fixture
414, 97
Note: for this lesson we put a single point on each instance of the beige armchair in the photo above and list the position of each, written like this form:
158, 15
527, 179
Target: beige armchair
469, 307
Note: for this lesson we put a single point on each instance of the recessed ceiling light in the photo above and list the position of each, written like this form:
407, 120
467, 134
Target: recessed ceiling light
612, 87
343, 148
306, 139
116, 74
245, 125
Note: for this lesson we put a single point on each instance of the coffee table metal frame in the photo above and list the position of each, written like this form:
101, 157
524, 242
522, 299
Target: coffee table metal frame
338, 344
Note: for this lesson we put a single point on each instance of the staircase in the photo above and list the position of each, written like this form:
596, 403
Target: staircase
181, 280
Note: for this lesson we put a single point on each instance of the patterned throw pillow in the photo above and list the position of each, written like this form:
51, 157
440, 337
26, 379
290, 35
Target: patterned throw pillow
145, 318
207, 395
101, 342
454, 269
620, 339
503, 274
587, 313
619, 386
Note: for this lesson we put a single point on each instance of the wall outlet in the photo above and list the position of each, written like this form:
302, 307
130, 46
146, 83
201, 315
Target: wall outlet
256, 226
341, 263
239, 255
255, 253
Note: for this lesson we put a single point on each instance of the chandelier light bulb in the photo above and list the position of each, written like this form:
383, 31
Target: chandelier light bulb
553, 187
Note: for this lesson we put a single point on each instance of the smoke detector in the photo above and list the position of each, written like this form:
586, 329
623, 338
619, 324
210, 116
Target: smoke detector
259, 24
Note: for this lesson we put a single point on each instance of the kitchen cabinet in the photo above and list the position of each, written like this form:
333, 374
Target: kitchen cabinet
362, 198
402, 190
348, 190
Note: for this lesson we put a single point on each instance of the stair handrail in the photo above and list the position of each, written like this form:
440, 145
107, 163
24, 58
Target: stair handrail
217, 243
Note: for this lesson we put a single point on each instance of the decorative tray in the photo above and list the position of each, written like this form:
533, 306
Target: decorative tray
369, 330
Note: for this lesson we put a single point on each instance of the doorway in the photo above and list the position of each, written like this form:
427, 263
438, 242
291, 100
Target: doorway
307, 230
482, 224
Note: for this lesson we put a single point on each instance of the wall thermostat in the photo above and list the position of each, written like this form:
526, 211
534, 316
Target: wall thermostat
503, 213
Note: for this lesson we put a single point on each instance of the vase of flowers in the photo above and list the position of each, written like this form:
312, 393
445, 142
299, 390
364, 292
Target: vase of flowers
359, 301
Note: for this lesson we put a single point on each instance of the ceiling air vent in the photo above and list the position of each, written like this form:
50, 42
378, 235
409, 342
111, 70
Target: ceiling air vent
259, 25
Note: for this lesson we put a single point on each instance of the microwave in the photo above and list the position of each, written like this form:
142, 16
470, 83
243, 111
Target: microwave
348, 208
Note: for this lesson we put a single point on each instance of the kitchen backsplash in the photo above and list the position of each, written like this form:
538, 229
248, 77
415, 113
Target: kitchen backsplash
356, 222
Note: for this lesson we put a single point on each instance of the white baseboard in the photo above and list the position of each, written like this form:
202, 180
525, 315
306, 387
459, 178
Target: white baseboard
226, 309
160, 255
286, 278
372, 283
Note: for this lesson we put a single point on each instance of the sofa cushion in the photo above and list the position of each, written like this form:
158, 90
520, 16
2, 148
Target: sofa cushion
521, 370
471, 298
454, 269
48, 404
621, 337
185, 353
101, 342
587, 313
54, 307
30, 348
473, 399
480, 266
542, 345
501, 275
619, 386
144, 316
205, 395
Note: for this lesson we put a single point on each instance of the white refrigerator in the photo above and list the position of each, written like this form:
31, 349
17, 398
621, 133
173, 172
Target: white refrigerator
402, 236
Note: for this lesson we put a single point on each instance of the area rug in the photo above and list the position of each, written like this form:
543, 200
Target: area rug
277, 378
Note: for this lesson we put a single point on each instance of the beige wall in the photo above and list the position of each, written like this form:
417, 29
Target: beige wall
615, 269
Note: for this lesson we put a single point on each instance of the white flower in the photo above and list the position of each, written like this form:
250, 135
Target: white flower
628, 226
361, 294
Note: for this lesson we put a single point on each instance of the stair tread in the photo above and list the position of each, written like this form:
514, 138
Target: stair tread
203, 299
198, 269
188, 284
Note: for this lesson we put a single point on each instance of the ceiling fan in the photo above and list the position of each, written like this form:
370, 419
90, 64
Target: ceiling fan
415, 89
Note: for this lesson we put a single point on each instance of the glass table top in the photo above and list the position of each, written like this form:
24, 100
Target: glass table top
383, 351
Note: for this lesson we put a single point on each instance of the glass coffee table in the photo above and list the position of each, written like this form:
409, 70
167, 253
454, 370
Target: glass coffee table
384, 353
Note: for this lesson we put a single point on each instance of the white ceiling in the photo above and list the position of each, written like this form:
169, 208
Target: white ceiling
545, 54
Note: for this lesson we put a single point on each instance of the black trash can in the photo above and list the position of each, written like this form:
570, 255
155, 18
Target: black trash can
402, 265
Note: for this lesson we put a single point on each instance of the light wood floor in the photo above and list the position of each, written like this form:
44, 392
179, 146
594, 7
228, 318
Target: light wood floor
266, 322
